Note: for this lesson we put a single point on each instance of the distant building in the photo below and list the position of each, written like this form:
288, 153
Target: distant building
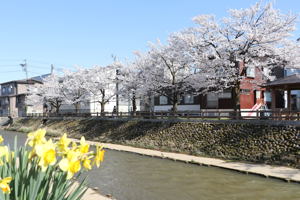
12, 99
13, 95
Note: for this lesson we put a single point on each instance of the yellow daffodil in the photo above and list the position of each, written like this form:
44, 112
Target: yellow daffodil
4, 185
84, 147
1, 139
46, 153
87, 164
74, 146
63, 144
36, 137
4, 153
99, 156
71, 158
71, 164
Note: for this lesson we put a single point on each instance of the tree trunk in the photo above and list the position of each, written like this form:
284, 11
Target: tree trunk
57, 109
236, 100
175, 95
175, 107
102, 105
57, 106
77, 106
175, 103
133, 104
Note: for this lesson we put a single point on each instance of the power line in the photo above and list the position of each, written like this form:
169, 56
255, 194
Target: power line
33, 61
16, 65
38, 67
10, 71
10, 59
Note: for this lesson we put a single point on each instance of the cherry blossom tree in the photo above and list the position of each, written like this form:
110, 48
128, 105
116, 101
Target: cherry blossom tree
35, 95
52, 91
101, 83
48, 93
132, 81
73, 87
253, 37
168, 71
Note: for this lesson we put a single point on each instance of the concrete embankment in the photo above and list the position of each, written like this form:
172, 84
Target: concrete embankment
256, 143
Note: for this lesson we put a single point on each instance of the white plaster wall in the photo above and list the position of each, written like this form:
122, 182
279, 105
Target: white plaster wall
180, 108
35, 109
124, 106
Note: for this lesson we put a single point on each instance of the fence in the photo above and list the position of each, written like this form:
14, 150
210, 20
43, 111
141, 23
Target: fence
195, 115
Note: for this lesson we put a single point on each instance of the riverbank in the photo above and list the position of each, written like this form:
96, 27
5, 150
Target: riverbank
255, 143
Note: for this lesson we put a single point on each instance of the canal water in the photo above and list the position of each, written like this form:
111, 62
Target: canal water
128, 176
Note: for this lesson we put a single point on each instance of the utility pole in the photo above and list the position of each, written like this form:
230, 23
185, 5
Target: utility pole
24, 68
52, 68
117, 91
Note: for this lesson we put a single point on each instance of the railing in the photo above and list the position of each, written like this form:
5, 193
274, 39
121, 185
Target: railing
195, 115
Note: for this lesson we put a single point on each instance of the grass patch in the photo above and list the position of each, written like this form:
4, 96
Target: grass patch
53, 133
25, 129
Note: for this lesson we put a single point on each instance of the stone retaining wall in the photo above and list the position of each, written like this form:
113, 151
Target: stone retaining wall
239, 141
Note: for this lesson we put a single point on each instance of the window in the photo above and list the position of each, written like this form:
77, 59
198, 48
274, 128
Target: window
258, 94
188, 99
245, 91
267, 97
212, 100
10, 89
163, 100
3, 90
225, 95
250, 72
18, 100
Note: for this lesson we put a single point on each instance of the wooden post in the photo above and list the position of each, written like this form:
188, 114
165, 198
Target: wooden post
273, 102
289, 100
219, 115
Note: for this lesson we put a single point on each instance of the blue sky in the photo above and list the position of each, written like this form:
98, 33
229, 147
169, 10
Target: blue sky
75, 32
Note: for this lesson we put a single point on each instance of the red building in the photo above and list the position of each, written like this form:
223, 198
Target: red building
252, 92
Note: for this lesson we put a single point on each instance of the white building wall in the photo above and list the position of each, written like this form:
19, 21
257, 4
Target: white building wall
124, 106
94, 106
35, 109
195, 107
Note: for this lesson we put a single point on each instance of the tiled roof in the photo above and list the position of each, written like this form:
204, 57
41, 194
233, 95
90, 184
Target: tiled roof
288, 80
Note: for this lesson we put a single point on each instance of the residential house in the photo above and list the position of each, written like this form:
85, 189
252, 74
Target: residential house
12, 99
